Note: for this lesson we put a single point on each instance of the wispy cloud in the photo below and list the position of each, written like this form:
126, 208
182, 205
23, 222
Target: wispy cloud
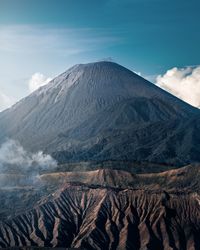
183, 83
38, 80
68, 41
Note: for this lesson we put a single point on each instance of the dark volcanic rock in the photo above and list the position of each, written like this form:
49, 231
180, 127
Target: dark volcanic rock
105, 218
102, 111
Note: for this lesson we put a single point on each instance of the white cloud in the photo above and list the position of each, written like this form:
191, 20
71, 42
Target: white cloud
37, 80
12, 153
138, 73
5, 101
183, 83
14, 158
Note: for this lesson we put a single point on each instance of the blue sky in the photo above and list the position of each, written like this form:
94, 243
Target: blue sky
48, 36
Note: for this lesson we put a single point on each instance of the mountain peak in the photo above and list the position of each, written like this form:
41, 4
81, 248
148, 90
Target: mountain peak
98, 64
104, 83
107, 80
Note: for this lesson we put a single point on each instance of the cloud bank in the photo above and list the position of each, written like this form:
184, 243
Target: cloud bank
12, 153
37, 80
183, 83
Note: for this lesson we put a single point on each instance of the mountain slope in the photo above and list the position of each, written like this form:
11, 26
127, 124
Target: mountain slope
102, 111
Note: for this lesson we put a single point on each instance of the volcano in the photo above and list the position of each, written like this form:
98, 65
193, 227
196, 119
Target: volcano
104, 118
102, 111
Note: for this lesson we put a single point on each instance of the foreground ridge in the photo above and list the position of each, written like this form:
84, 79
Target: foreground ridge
107, 218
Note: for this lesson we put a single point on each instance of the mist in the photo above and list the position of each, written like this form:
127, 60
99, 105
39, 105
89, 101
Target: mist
20, 167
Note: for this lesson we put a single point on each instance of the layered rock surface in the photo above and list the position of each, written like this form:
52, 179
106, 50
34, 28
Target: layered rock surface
109, 209
106, 218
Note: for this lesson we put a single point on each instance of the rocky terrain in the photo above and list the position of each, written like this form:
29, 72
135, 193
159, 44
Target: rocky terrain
19, 193
93, 217
105, 209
